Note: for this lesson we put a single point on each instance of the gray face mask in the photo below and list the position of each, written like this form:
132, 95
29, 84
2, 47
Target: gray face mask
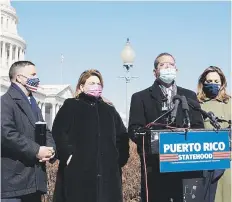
167, 75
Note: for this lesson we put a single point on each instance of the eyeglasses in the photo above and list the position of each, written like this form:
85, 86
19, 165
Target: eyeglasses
166, 64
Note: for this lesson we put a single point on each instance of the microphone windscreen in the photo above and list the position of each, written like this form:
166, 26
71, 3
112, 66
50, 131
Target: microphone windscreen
176, 97
194, 104
184, 103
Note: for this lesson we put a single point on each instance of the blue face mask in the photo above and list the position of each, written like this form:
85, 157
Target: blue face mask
211, 89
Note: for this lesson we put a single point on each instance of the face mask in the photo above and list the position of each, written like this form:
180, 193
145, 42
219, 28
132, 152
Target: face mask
94, 90
167, 75
32, 84
211, 89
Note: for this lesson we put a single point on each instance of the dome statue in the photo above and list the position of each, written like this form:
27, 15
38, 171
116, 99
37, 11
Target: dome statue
5, 2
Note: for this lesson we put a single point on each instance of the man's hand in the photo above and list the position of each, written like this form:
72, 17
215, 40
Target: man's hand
45, 153
47, 159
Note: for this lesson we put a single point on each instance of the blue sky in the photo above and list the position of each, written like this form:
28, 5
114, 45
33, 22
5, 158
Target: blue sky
93, 34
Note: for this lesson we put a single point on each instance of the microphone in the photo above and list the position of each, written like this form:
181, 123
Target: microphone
213, 119
185, 108
176, 100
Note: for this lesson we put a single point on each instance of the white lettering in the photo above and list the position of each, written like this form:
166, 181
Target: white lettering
197, 147
191, 146
221, 146
166, 147
206, 146
195, 156
173, 148
177, 148
214, 146
185, 148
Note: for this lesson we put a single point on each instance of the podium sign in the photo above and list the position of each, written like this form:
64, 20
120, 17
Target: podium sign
194, 150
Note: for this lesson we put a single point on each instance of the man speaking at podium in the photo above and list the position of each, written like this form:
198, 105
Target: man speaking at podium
148, 105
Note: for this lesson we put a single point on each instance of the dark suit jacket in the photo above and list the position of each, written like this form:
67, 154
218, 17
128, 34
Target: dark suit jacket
20, 170
145, 107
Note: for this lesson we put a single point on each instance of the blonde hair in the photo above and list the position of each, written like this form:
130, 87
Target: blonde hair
84, 76
222, 95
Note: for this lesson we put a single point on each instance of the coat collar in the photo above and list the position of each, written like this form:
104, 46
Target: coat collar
156, 92
22, 103
210, 99
158, 95
89, 98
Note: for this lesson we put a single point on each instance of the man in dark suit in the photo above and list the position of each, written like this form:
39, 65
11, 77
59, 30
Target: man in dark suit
146, 106
23, 173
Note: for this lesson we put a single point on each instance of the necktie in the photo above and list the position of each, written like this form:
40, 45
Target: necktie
34, 106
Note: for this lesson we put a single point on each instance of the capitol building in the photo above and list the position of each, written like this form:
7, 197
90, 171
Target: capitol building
13, 48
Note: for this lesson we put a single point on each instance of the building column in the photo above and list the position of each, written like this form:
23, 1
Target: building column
23, 54
53, 112
20, 55
15, 26
43, 110
10, 20
3, 53
4, 23
16, 53
12, 25
10, 55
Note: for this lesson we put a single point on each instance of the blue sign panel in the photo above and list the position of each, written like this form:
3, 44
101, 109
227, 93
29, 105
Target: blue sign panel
196, 150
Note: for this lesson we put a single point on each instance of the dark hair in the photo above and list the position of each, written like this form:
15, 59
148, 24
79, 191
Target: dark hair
16, 66
160, 55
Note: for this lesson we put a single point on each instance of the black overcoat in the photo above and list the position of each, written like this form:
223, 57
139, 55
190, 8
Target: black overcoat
145, 107
93, 133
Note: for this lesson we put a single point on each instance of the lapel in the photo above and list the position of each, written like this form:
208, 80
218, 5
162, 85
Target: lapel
156, 93
22, 104
179, 117
179, 92
157, 97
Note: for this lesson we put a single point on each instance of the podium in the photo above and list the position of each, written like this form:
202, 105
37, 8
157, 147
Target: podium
191, 150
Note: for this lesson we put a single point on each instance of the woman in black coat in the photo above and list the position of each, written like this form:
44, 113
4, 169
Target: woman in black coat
92, 145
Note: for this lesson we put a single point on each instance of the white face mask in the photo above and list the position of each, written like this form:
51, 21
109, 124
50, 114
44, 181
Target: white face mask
167, 75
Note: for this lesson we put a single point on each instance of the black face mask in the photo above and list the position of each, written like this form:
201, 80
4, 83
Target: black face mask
211, 90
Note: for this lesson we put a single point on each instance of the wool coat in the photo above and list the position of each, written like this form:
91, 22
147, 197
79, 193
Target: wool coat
93, 133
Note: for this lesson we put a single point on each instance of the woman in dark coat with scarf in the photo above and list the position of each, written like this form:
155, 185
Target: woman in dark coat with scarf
92, 145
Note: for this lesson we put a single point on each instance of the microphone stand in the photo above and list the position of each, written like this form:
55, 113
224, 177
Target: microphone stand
164, 114
143, 130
